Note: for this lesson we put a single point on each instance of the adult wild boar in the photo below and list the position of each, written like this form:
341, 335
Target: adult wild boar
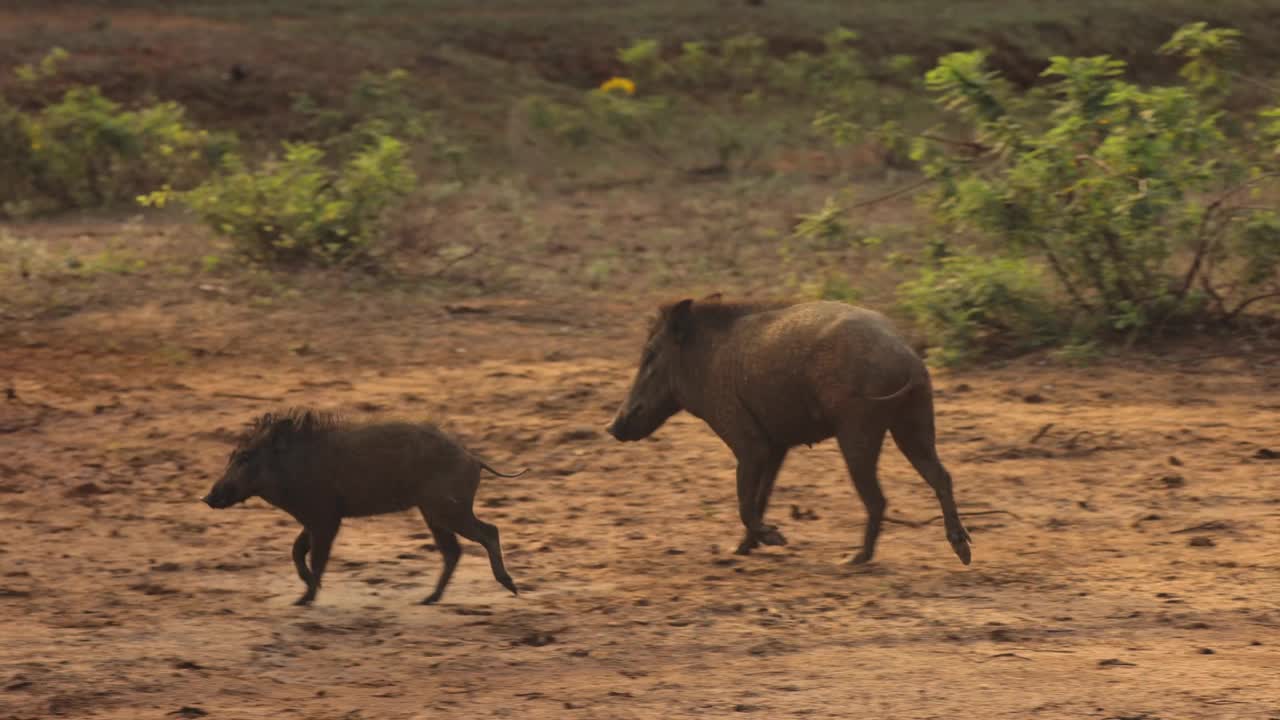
768, 377
320, 469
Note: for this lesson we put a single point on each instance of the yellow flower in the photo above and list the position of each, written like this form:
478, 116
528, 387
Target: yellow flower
619, 83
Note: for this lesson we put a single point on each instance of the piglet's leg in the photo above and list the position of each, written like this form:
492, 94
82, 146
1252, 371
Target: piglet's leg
476, 530
450, 551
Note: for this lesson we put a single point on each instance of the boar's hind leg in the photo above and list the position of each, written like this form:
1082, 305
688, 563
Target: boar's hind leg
914, 435
860, 446
755, 486
322, 535
301, 547
447, 544
476, 530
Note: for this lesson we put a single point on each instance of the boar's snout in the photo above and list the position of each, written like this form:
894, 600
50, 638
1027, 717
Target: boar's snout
622, 427
219, 498
612, 429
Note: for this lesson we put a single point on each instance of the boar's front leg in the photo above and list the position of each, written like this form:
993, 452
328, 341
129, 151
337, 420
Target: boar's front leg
322, 535
301, 547
756, 475
764, 490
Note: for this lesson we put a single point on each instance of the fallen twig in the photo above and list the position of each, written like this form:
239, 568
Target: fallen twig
973, 514
1004, 655
901, 521
1043, 431
242, 396
1211, 525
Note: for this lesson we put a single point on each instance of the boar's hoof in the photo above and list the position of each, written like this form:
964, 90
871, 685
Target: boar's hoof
960, 543
862, 557
509, 584
766, 535
304, 600
769, 535
431, 599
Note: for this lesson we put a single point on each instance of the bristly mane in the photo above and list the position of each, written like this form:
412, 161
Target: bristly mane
293, 424
718, 313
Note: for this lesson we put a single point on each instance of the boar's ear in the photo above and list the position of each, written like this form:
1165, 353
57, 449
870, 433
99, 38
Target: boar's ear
281, 431
681, 320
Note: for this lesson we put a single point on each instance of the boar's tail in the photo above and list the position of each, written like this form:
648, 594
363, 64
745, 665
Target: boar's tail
911, 383
499, 474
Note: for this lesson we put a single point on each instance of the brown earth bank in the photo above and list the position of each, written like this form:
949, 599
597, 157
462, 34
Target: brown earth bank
473, 59
1124, 519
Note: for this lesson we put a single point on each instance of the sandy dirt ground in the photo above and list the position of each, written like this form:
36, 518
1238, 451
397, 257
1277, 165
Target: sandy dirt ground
1125, 517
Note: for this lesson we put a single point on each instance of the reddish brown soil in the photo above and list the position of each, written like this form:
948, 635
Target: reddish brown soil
1126, 561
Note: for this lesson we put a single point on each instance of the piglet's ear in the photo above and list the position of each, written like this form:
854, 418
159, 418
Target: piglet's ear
680, 321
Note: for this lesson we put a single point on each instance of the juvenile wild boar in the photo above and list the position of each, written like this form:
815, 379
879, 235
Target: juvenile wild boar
769, 377
320, 470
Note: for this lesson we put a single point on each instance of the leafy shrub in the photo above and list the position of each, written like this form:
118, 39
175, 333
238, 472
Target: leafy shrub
297, 209
327, 199
604, 116
1130, 195
971, 305
19, 178
733, 101
378, 105
1139, 202
85, 150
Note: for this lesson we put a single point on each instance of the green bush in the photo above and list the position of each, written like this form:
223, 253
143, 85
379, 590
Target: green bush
732, 102
298, 209
19, 176
85, 150
972, 305
378, 105
1142, 204
1136, 198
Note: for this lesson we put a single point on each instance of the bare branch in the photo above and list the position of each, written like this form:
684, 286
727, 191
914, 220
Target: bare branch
974, 147
1056, 265
1207, 239
891, 195
1246, 303
454, 261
